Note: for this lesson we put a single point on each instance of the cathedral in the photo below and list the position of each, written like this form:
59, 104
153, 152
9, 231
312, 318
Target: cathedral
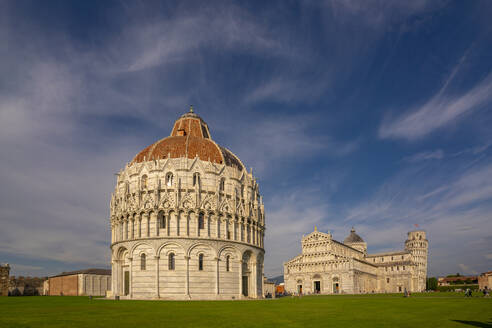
327, 266
187, 221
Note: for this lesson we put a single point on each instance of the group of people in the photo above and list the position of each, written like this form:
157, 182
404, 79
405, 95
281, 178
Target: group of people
485, 291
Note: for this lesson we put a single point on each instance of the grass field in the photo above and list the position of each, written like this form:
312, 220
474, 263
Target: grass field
421, 310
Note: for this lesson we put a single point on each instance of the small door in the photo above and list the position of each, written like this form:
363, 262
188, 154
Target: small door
299, 289
245, 285
317, 287
127, 282
335, 288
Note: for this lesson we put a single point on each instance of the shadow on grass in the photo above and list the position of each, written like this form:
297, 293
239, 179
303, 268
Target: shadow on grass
475, 323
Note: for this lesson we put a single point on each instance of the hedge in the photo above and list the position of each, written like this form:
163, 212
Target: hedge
453, 287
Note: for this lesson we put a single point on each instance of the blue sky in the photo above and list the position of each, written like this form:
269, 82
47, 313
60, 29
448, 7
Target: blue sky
373, 114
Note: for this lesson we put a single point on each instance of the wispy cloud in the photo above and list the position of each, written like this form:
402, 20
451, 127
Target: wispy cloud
285, 90
426, 155
439, 111
273, 142
187, 34
377, 13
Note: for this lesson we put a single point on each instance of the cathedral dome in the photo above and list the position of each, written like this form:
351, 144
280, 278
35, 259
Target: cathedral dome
190, 137
353, 238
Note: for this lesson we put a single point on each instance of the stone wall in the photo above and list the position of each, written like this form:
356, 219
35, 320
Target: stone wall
93, 284
4, 280
485, 280
63, 285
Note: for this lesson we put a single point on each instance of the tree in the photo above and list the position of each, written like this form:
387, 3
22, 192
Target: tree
16, 292
431, 283
30, 290
453, 275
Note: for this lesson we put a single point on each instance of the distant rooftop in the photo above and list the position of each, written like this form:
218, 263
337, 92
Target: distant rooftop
106, 272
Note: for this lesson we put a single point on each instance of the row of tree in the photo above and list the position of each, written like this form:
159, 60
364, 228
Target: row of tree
431, 283
27, 291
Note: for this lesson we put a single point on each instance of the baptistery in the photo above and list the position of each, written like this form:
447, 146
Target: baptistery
187, 221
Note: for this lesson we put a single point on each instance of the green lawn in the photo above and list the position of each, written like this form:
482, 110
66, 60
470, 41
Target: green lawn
421, 310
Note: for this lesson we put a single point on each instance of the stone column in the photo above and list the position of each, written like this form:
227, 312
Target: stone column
147, 217
113, 278
217, 277
253, 234
254, 276
240, 279
208, 224
130, 292
218, 226
187, 280
197, 224
168, 219
157, 294
119, 276
156, 224
139, 219
226, 229
125, 227
188, 224
133, 228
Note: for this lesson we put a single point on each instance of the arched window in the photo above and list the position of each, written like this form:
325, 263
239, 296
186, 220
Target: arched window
143, 263
228, 258
222, 184
169, 179
144, 181
196, 179
200, 262
201, 221
171, 263
162, 219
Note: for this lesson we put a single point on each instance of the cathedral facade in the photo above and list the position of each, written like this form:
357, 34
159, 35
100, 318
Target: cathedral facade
187, 221
327, 266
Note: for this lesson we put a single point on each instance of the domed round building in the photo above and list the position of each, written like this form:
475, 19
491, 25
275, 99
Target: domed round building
187, 221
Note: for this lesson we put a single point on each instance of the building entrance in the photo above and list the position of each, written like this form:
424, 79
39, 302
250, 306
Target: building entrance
245, 285
317, 287
127, 283
336, 288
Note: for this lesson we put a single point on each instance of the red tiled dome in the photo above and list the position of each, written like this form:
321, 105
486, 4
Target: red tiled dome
190, 137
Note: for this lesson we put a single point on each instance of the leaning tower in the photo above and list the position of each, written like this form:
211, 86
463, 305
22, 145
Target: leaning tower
418, 245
